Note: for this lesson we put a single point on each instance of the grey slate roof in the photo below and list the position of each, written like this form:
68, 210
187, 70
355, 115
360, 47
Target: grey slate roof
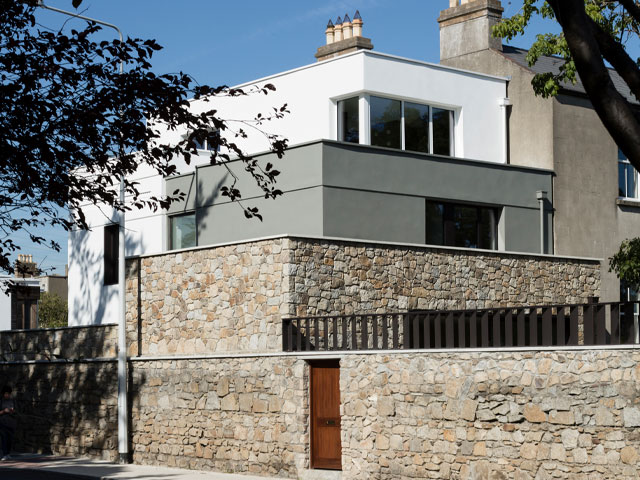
552, 64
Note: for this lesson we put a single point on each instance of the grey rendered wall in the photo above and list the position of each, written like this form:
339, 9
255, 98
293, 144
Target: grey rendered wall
379, 194
298, 210
530, 126
589, 222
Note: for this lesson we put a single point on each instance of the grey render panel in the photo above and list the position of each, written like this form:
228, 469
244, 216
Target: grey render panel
295, 212
392, 171
373, 215
186, 185
353, 191
522, 230
299, 168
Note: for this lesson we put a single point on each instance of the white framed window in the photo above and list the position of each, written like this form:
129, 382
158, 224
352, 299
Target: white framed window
349, 120
207, 144
627, 178
397, 124
182, 231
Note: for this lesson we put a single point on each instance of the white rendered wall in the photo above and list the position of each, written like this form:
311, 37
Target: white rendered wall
311, 94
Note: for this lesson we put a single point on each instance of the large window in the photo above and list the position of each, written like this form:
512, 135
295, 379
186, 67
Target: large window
627, 178
410, 126
182, 231
349, 120
460, 225
111, 244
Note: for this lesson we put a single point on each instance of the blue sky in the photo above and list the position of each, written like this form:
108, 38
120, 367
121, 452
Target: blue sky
220, 42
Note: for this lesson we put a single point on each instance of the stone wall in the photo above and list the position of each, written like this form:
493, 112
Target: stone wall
65, 408
244, 415
569, 415
97, 341
459, 415
232, 298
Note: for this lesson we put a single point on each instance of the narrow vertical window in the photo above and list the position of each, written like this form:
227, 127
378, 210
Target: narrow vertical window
183, 231
349, 120
416, 127
385, 117
441, 131
627, 178
111, 244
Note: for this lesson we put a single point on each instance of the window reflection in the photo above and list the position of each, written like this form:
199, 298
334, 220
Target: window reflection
349, 120
458, 225
416, 127
183, 231
441, 131
385, 122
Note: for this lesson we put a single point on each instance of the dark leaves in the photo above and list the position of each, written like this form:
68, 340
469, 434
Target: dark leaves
71, 126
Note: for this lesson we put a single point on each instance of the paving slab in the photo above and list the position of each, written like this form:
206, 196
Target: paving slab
90, 469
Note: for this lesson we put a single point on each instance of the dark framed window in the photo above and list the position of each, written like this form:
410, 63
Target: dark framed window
111, 245
182, 231
461, 225
349, 120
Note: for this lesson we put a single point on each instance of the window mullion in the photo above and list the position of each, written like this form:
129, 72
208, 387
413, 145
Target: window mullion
430, 129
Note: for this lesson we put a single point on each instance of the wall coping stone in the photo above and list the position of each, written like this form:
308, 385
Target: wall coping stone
339, 354
293, 236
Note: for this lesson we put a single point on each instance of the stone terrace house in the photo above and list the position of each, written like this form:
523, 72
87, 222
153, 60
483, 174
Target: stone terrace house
399, 196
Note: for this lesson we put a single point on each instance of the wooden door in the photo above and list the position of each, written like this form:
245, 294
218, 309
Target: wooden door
326, 451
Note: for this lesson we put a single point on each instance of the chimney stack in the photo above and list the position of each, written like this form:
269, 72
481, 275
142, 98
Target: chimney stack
343, 37
465, 27
25, 267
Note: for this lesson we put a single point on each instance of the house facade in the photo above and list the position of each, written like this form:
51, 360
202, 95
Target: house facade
386, 149
400, 313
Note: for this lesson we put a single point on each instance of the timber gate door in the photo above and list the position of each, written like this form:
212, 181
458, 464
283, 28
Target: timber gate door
326, 450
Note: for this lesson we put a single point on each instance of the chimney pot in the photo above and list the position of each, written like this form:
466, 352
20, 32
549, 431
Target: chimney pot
347, 30
357, 24
329, 32
337, 32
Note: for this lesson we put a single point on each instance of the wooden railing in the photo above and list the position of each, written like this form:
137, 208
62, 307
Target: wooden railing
592, 323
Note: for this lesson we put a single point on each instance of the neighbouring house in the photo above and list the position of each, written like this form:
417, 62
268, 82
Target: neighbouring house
405, 310
596, 198
20, 294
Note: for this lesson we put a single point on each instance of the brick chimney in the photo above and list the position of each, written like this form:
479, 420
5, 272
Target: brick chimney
25, 267
343, 37
465, 27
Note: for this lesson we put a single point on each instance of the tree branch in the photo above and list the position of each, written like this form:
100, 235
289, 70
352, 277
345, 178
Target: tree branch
614, 111
617, 56
632, 7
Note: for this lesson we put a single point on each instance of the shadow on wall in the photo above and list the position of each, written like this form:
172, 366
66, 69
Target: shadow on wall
91, 302
205, 198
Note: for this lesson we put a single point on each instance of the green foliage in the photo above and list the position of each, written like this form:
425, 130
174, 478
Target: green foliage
626, 263
609, 15
52, 311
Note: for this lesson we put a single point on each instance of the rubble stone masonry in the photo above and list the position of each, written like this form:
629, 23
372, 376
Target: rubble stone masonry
210, 389
232, 298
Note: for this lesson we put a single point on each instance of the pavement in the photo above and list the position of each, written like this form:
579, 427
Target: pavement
46, 467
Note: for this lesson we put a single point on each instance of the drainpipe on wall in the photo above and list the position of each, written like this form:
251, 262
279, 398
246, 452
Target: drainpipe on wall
541, 195
505, 103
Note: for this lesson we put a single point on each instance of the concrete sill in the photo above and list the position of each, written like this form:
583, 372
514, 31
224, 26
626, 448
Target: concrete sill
628, 202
